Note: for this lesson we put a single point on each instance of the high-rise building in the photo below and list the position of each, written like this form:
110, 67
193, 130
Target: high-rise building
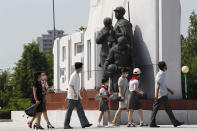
46, 40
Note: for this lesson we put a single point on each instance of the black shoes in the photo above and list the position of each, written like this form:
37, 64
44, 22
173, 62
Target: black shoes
179, 124
49, 126
68, 127
154, 125
88, 125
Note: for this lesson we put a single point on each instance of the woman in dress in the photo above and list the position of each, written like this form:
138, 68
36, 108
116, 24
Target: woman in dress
37, 99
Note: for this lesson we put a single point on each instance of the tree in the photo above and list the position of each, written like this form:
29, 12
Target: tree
5, 88
189, 54
82, 28
49, 71
23, 77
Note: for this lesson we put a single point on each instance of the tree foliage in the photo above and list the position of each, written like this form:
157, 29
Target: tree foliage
189, 54
5, 88
32, 60
16, 87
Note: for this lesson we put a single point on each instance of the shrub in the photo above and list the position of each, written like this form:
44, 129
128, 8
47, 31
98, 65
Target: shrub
5, 113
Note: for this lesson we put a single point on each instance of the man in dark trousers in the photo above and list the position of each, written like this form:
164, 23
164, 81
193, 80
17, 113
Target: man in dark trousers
74, 99
161, 97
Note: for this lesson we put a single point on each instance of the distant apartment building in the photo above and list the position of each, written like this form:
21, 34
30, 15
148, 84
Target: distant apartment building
46, 40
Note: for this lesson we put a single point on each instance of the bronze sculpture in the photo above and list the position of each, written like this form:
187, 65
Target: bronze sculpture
117, 47
106, 37
123, 27
119, 57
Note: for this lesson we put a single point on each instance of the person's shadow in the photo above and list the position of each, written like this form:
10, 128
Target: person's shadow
144, 62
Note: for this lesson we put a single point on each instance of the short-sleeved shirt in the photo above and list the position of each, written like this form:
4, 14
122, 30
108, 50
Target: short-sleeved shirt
123, 82
160, 78
103, 91
132, 83
75, 82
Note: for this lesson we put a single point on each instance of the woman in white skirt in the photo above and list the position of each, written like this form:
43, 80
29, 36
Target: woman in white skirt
133, 99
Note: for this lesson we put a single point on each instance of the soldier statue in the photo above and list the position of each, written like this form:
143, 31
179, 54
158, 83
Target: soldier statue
106, 37
119, 57
123, 27
117, 47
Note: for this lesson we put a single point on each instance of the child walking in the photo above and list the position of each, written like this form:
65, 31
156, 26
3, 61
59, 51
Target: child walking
123, 85
104, 94
133, 99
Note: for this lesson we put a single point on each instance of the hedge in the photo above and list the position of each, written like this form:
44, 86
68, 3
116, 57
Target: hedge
5, 113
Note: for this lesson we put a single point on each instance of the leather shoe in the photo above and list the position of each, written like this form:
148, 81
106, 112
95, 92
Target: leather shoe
68, 127
179, 124
88, 125
154, 125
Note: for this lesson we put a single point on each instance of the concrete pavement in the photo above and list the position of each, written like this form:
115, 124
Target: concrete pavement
14, 126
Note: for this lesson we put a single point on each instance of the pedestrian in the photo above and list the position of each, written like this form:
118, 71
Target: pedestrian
133, 99
44, 110
45, 88
104, 94
74, 99
37, 99
123, 92
161, 97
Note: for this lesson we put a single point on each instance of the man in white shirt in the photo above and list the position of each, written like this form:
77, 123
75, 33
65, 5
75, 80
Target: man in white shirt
161, 97
74, 99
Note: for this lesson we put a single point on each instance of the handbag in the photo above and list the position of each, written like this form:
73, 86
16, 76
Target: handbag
115, 96
31, 111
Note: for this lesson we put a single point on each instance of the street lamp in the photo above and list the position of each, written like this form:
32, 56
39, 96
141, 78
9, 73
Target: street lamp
185, 70
54, 35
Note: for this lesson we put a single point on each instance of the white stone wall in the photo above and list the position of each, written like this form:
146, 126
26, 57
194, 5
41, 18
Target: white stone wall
169, 43
156, 28
63, 68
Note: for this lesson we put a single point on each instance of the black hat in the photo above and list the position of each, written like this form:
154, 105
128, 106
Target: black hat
120, 9
104, 80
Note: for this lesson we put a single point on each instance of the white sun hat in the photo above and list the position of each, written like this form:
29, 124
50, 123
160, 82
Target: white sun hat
137, 71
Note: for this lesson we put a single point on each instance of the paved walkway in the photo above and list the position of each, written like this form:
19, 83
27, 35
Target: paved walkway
12, 126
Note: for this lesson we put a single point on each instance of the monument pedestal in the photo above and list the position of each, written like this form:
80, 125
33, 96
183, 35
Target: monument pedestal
184, 110
57, 101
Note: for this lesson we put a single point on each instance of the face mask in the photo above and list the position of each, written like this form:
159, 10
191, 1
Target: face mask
126, 75
107, 84
42, 77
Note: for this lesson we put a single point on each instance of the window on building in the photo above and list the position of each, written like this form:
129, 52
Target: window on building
89, 59
63, 80
63, 53
78, 48
62, 71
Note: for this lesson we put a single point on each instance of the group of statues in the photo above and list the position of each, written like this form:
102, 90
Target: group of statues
117, 47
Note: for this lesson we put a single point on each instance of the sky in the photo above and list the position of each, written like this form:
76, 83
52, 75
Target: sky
22, 21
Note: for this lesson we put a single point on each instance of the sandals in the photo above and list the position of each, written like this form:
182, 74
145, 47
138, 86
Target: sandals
38, 127
29, 124
49, 126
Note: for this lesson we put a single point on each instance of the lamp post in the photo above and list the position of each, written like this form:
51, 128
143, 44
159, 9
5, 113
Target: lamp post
185, 70
54, 21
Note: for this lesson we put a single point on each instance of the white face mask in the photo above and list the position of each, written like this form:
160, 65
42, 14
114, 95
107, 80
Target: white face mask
44, 77
126, 75
107, 84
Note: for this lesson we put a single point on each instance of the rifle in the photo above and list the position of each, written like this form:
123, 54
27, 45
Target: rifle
132, 46
112, 15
